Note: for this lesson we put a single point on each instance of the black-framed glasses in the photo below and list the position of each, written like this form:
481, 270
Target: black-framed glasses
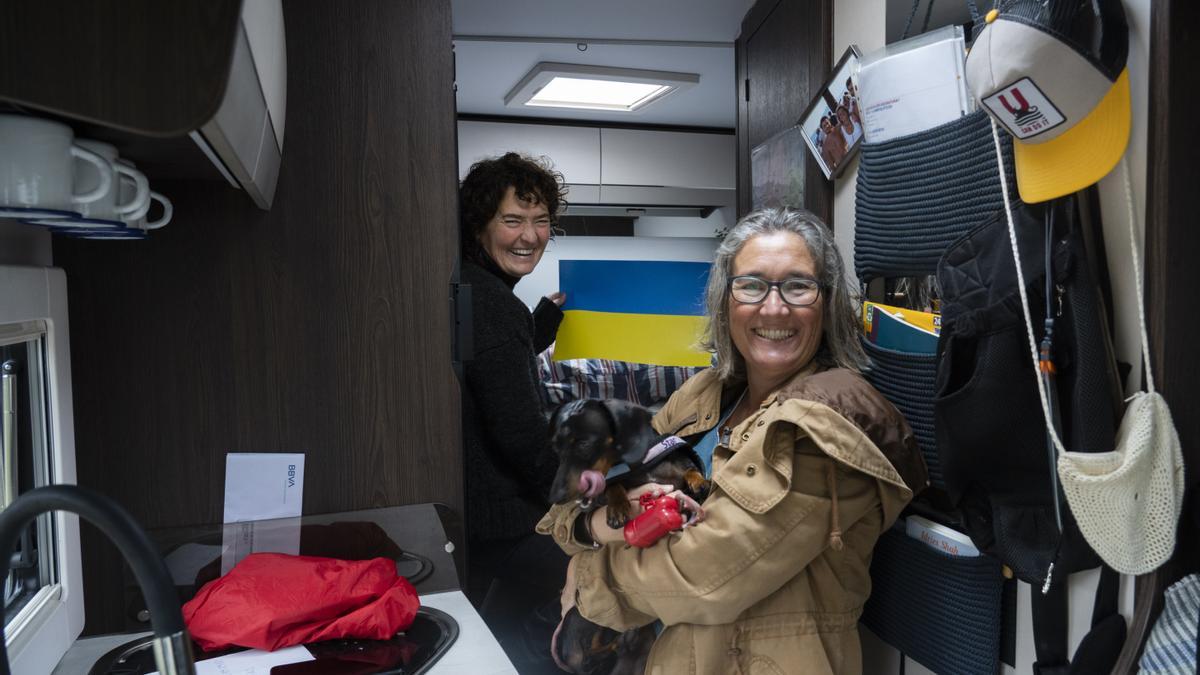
796, 291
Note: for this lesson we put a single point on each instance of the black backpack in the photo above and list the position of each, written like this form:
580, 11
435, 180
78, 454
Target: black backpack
998, 469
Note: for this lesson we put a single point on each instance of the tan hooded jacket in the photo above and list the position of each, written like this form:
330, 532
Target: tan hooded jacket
774, 580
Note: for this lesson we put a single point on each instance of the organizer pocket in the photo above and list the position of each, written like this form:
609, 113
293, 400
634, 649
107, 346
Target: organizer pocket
989, 421
991, 437
907, 380
944, 611
918, 194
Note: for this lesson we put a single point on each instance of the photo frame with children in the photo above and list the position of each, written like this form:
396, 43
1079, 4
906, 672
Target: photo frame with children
832, 123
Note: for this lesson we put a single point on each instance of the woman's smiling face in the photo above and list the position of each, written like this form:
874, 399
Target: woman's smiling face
775, 339
516, 236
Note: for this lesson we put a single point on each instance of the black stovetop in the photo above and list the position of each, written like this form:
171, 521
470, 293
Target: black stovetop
407, 653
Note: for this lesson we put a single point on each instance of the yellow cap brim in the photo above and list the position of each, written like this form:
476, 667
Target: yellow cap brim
1080, 156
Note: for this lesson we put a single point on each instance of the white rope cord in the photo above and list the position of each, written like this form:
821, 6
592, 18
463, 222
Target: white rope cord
1137, 273
1137, 278
1033, 350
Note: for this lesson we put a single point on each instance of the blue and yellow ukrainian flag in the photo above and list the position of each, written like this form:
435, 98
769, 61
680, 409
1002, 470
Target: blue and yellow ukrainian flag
643, 311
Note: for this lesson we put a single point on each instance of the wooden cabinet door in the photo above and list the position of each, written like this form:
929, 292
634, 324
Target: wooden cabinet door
783, 57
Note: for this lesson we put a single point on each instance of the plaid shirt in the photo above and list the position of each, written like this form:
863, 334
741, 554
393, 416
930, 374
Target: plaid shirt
641, 383
1171, 647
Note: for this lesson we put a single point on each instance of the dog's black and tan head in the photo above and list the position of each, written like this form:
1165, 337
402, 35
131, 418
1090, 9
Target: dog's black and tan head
582, 647
590, 436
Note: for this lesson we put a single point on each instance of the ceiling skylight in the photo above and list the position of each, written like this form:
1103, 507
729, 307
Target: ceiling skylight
566, 85
571, 92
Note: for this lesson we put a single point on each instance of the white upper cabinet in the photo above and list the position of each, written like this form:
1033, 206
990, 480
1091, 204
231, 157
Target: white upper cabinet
602, 166
574, 151
667, 159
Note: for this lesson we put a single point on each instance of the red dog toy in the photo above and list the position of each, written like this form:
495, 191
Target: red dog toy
661, 516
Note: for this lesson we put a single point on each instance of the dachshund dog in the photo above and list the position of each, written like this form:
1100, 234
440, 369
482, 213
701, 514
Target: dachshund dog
602, 448
582, 647
592, 437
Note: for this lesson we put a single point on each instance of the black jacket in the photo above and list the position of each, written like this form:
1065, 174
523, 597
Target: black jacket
509, 460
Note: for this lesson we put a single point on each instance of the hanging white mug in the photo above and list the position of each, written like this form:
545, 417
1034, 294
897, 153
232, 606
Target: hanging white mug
168, 212
37, 169
116, 204
138, 218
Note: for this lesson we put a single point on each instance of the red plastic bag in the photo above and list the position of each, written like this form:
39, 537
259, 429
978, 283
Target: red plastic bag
273, 600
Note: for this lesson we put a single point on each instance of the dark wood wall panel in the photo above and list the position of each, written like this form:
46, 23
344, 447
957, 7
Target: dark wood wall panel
319, 327
1172, 304
783, 52
1172, 240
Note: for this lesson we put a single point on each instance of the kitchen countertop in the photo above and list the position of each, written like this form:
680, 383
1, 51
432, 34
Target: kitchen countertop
475, 651
417, 528
423, 529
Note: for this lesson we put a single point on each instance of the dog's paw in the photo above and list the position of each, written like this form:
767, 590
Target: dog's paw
618, 514
617, 522
697, 485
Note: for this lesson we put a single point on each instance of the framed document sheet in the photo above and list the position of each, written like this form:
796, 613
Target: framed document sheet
777, 170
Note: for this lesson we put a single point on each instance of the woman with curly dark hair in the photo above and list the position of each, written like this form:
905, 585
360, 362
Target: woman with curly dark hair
507, 206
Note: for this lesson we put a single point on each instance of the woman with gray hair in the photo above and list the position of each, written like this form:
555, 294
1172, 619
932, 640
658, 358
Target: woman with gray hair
809, 465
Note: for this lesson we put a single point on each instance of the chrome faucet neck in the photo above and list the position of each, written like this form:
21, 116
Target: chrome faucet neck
172, 647
173, 654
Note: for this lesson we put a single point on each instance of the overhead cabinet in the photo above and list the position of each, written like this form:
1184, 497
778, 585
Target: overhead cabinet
667, 159
604, 166
193, 89
246, 134
575, 151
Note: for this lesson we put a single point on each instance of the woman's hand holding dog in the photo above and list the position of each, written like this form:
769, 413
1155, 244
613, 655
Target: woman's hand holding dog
603, 534
694, 511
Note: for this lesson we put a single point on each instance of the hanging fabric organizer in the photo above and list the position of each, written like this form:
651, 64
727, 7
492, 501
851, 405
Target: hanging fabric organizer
909, 382
915, 197
919, 194
941, 610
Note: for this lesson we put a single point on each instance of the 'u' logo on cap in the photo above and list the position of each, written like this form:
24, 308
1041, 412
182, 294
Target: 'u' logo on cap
1023, 109
1024, 114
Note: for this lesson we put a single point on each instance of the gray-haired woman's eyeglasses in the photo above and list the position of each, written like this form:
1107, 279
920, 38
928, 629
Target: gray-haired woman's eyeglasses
797, 291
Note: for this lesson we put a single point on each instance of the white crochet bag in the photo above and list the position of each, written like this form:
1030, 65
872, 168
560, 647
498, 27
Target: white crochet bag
1126, 501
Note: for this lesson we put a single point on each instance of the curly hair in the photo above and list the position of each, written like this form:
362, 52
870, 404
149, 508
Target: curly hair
840, 344
532, 179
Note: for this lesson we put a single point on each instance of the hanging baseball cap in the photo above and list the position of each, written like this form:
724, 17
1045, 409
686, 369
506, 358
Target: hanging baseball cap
1052, 72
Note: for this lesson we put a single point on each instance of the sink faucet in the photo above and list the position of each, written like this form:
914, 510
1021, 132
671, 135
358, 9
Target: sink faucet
172, 646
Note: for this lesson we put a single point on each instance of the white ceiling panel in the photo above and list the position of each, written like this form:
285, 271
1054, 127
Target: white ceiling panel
488, 68
703, 20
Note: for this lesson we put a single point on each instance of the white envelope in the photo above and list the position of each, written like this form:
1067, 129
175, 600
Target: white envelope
263, 485
264, 498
